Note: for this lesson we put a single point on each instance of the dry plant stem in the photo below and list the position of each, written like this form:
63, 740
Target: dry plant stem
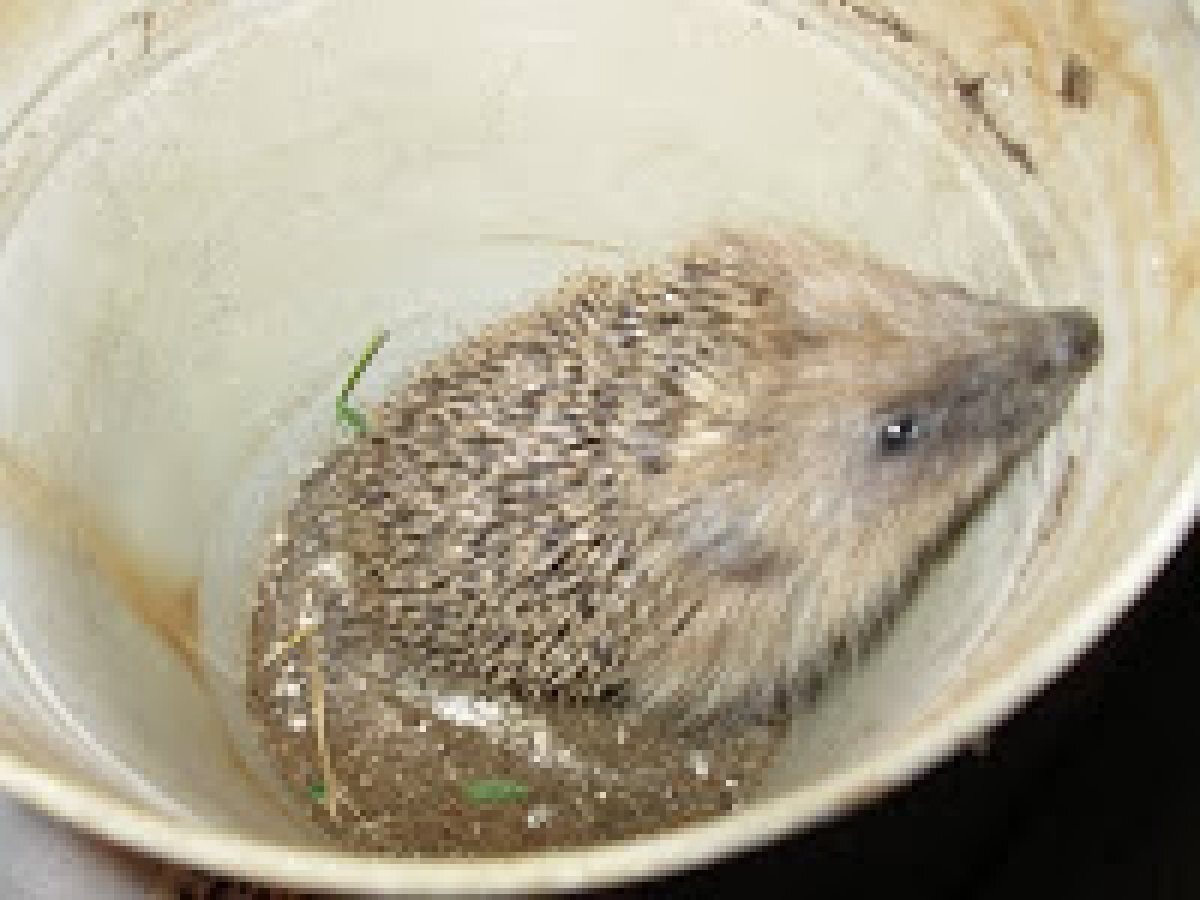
317, 680
287, 644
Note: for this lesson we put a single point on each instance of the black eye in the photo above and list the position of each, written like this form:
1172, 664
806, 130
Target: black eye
900, 434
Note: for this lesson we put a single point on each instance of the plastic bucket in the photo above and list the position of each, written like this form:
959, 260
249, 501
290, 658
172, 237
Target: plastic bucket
207, 207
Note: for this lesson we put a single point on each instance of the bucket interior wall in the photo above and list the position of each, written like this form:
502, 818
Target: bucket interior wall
208, 208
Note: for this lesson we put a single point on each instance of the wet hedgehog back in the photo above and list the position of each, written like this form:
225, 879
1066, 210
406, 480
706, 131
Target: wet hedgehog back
485, 523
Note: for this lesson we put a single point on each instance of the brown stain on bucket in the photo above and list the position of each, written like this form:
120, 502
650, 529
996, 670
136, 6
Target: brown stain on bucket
1139, 171
1110, 45
166, 605
1185, 273
1078, 83
1092, 35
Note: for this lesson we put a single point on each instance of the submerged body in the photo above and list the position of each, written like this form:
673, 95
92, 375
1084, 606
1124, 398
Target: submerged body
681, 487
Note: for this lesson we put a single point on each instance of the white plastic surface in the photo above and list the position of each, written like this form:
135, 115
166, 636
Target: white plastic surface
206, 209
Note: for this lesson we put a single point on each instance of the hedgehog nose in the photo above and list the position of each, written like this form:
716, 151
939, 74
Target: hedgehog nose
1077, 340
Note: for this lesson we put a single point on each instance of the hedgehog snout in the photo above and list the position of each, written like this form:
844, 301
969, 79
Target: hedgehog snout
1074, 342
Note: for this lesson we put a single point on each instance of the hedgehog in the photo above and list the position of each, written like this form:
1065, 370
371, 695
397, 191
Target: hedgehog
677, 488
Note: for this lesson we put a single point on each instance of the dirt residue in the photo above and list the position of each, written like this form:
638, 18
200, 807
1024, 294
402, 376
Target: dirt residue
969, 86
1078, 83
971, 92
882, 18
1082, 54
1090, 31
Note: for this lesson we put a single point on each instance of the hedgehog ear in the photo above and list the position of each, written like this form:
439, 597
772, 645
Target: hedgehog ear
721, 533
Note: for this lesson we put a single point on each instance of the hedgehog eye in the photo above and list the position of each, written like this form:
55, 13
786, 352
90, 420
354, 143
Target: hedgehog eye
900, 434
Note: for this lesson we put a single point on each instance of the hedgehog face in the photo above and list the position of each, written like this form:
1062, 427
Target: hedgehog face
795, 511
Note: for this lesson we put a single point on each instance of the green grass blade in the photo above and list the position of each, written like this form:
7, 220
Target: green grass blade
496, 790
347, 414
